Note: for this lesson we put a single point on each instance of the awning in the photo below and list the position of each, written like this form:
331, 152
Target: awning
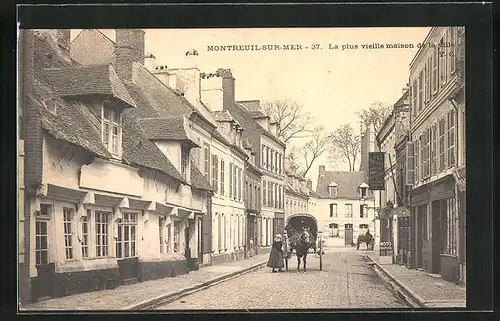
64, 193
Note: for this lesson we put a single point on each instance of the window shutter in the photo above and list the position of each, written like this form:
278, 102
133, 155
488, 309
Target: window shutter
410, 163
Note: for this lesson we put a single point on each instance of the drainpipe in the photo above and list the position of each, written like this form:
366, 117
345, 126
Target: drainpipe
452, 101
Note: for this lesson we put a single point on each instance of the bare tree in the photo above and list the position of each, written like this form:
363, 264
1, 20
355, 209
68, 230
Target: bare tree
376, 114
292, 160
292, 121
315, 147
345, 143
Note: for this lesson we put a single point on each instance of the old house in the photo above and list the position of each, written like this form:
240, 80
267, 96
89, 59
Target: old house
437, 143
106, 204
345, 206
296, 194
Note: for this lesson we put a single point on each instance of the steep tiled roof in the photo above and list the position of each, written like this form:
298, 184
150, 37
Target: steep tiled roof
88, 80
257, 114
138, 150
198, 180
222, 115
347, 181
68, 124
164, 128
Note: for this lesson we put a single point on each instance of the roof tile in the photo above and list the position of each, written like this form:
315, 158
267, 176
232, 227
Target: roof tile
347, 181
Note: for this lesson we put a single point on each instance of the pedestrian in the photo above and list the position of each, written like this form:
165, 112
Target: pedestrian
276, 256
251, 246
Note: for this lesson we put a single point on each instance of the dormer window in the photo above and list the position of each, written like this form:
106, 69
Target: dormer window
363, 190
111, 129
184, 163
332, 189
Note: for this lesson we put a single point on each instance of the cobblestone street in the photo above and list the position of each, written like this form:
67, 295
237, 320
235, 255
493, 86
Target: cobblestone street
345, 282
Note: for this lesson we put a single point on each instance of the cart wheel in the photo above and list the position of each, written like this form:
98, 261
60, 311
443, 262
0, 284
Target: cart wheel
320, 256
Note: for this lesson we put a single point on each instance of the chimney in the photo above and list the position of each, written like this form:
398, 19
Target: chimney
227, 87
150, 62
310, 184
63, 40
321, 170
273, 128
188, 78
212, 93
129, 48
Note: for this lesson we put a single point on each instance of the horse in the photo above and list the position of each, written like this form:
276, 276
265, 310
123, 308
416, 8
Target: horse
368, 239
301, 245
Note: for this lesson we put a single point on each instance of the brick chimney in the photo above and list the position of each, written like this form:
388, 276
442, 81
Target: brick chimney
321, 170
227, 87
129, 48
309, 184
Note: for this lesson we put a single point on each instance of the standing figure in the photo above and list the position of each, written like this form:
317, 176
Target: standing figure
276, 256
286, 249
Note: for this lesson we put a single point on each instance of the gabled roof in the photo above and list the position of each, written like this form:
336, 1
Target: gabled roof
91, 30
88, 80
347, 181
257, 114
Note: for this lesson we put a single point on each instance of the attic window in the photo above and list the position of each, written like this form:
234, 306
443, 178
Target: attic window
111, 129
51, 105
332, 189
363, 188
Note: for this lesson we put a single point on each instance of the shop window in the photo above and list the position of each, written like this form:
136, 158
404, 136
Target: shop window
102, 233
68, 232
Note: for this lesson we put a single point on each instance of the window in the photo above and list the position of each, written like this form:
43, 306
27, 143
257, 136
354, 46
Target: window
451, 138
433, 149
361, 211
68, 232
420, 90
334, 229
414, 93
428, 68
333, 210
177, 236
442, 60
449, 227
126, 241
363, 191
206, 161
264, 192
41, 238
272, 160
231, 180
240, 185
279, 163
425, 153
453, 49
102, 233
268, 158
263, 156
184, 162
85, 235
161, 222
222, 166
442, 148
348, 210
215, 168
111, 129
416, 161
435, 70
235, 182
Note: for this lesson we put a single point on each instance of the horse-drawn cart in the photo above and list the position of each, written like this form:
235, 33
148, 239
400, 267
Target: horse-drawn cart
302, 232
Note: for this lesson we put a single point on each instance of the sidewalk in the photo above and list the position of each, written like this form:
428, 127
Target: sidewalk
144, 294
422, 289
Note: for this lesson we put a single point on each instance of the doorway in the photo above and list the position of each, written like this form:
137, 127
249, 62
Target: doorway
422, 229
199, 222
438, 208
348, 235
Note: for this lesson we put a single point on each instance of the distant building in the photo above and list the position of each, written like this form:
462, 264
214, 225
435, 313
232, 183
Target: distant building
296, 194
345, 205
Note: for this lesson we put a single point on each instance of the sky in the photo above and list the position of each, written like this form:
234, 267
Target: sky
331, 84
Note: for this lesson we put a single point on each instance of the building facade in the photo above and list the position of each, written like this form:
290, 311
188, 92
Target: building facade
345, 205
109, 199
393, 129
296, 195
437, 142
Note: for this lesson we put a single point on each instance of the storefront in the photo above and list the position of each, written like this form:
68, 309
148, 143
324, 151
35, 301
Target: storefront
418, 226
252, 233
402, 215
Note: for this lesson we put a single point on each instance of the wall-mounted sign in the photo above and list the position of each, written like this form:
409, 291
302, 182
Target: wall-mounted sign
376, 171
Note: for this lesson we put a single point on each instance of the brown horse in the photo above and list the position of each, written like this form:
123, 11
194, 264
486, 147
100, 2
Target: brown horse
366, 238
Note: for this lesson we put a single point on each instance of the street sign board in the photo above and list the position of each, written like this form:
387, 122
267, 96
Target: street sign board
376, 171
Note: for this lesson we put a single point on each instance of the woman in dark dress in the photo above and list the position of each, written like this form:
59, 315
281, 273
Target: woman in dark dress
276, 257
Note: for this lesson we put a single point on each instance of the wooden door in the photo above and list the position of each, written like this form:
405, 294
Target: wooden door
348, 234
438, 222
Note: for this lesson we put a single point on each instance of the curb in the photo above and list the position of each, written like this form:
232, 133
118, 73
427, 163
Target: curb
198, 286
400, 289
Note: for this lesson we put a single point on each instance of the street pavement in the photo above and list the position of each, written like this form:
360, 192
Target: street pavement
346, 282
